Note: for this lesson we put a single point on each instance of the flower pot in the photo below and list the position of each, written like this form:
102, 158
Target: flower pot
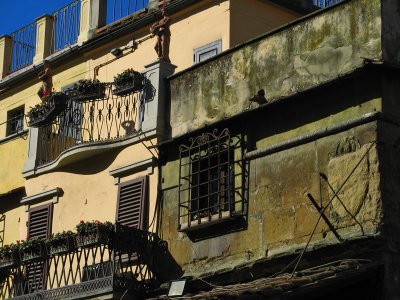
9, 261
66, 245
129, 87
97, 92
52, 106
95, 238
34, 254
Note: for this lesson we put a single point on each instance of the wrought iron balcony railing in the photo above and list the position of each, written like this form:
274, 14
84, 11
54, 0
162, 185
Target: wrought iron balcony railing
23, 47
107, 118
118, 9
66, 26
124, 263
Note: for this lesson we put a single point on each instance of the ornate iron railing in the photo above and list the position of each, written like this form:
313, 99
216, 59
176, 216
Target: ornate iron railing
109, 118
66, 26
325, 3
24, 45
118, 9
125, 263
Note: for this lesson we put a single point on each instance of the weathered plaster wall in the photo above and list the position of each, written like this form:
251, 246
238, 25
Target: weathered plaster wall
281, 217
289, 61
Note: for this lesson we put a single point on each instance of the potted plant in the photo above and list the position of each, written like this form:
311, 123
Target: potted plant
9, 256
93, 233
32, 249
45, 113
127, 82
87, 89
61, 243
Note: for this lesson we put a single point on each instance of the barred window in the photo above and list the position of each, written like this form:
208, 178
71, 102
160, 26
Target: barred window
210, 180
15, 120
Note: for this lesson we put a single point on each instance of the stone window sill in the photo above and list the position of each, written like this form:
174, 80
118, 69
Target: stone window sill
207, 222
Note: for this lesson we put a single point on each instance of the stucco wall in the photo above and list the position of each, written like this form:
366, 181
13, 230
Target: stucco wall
193, 27
89, 192
251, 18
13, 155
289, 61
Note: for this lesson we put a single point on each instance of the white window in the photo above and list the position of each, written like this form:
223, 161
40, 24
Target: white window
207, 51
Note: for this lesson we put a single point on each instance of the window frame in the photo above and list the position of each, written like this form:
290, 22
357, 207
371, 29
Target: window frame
197, 52
211, 147
19, 116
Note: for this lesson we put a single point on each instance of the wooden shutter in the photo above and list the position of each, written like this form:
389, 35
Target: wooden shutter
39, 222
39, 226
132, 203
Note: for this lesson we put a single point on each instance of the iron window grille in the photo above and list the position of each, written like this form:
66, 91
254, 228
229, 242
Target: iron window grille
210, 180
15, 121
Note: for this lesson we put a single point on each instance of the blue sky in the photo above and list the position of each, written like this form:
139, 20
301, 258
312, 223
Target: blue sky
17, 14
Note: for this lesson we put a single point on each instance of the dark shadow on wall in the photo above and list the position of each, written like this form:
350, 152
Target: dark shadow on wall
313, 105
92, 164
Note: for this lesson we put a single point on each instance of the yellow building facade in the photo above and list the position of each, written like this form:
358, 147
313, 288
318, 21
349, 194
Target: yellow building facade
78, 166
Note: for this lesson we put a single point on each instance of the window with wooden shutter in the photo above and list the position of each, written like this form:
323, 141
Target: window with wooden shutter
132, 203
39, 222
39, 226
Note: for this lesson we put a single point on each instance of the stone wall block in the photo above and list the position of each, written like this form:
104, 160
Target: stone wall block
278, 225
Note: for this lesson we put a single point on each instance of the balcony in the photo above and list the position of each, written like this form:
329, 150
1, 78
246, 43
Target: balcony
110, 118
82, 118
125, 262
86, 125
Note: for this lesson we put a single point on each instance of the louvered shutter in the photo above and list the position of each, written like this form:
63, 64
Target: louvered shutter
39, 223
39, 226
132, 201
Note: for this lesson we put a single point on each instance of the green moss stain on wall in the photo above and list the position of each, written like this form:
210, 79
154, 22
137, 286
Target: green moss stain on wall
281, 217
292, 60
